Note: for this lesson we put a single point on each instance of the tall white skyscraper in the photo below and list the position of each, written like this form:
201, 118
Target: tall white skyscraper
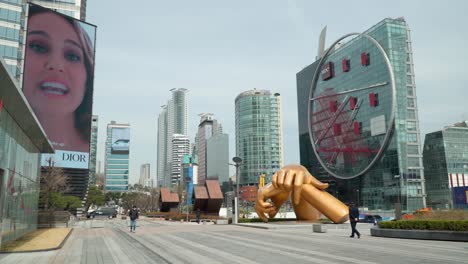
145, 176
162, 146
172, 120
180, 147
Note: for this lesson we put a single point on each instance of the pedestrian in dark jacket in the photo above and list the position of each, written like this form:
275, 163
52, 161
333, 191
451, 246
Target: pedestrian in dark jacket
198, 215
353, 219
133, 214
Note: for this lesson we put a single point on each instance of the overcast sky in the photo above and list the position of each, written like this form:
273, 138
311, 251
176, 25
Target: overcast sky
218, 49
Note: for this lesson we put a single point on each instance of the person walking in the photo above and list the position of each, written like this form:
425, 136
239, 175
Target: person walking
198, 215
133, 214
353, 219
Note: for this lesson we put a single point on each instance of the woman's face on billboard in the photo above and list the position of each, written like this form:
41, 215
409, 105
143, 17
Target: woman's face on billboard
55, 73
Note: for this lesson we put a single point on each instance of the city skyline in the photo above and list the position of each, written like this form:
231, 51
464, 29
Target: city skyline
238, 52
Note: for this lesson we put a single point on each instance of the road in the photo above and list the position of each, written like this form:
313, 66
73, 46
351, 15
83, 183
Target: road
173, 242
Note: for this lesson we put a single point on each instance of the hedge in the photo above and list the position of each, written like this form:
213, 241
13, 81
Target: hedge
258, 220
426, 225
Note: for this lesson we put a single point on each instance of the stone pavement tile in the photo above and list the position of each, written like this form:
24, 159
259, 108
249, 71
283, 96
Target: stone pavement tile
39, 240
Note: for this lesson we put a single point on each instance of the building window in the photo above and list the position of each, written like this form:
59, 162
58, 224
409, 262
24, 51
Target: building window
413, 138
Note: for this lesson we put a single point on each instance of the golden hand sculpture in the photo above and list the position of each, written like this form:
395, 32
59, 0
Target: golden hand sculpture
309, 197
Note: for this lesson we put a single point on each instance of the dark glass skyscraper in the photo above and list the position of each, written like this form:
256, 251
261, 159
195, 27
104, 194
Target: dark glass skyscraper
398, 173
446, 167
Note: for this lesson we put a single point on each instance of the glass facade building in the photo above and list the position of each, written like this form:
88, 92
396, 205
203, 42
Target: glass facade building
207, 129
12, 31
398, 173
22, 139
12, 17
259, 139
117, 157
217, 157
446, 167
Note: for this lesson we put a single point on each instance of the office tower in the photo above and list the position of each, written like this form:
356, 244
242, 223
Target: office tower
258, 134
217, 158
93, 150
180, 147
117, 157
207, 128
172, 120
445, 158
12, 31
376, 161
145, 176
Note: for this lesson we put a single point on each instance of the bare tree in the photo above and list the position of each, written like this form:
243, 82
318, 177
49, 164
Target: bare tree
53, 181
53, 184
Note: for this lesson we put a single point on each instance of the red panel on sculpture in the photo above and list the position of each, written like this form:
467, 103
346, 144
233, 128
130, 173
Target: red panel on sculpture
337, 129
352, 103
345, 65
365, 59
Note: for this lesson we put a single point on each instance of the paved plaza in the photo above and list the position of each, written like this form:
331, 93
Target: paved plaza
158, 241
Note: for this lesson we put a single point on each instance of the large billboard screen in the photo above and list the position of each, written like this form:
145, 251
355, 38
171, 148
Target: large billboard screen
120, 140
58, 82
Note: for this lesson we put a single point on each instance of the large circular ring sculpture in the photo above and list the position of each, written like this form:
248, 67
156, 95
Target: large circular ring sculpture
351, 107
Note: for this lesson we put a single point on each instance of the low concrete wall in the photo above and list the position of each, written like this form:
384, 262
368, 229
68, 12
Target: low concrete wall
420, 234
221, 221
319, 228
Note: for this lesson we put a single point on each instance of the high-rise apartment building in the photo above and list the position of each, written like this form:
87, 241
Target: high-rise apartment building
93, 150
145, 176
12, 31
172, 120
355, 105
258, 134
446, 167
180, 148
117, 157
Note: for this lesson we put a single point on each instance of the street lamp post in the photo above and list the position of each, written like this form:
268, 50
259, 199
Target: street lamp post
358, 200
237, 163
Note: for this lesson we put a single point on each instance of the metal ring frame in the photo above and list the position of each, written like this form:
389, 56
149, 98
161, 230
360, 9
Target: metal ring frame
388, 135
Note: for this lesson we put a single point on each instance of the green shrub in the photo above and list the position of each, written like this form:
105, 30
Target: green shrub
451, 215
426, 225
